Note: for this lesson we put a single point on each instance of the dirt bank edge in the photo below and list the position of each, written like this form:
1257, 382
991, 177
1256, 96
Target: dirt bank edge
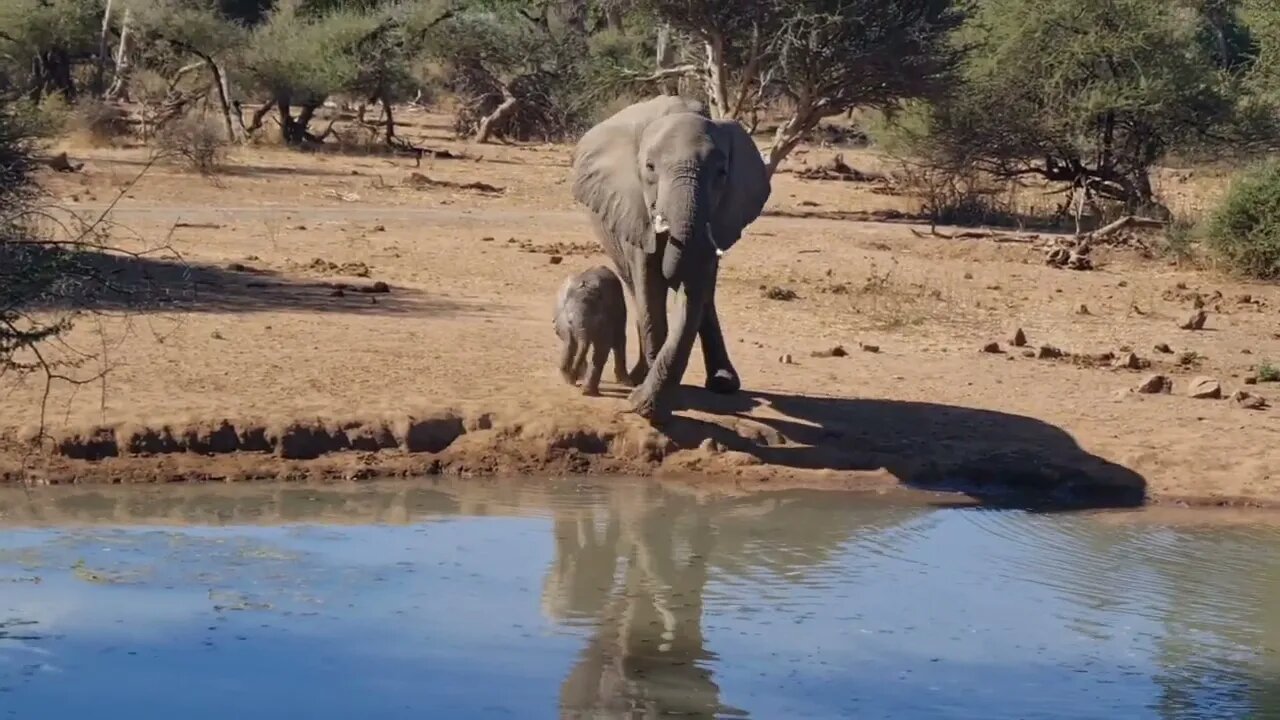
594, 440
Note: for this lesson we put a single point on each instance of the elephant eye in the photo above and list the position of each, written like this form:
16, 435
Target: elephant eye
649, 166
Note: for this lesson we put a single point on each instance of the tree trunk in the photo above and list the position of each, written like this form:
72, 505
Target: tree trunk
224, 91
503, 111
717, 80
665, 58
100, 74
118, 89
789, 134
613, 20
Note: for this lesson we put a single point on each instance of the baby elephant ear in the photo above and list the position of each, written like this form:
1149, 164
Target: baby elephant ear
747, 188
606, 173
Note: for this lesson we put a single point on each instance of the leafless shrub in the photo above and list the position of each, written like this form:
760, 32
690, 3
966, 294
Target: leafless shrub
197, 140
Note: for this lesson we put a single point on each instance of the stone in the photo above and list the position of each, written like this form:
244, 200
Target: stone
1248, 401
1083, 309
1049, 352
1131, 361
1029, 353
1204, 388
991, 347
1250, 379
869, 348
555, 259
1019, 338
1164, 348
1194, 321
1155, 384
711, 447
786, 359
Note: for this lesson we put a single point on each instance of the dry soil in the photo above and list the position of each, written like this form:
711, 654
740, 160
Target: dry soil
251, 340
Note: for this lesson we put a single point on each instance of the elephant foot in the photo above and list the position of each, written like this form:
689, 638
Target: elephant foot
626, 380
638, 374
724, 382
645, 404
591, 392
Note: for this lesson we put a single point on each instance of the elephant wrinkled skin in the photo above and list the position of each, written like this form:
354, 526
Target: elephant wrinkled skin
669, 190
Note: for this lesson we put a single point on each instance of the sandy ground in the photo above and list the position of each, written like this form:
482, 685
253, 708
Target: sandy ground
244, 344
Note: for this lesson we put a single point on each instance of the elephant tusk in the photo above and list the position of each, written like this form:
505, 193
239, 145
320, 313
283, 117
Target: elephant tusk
660, 224
712, 238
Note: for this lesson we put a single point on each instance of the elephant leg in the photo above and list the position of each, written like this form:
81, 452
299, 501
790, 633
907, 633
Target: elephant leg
580, 360
652, 398
595, 368
620, 357
651, 318
721, 376
567, 356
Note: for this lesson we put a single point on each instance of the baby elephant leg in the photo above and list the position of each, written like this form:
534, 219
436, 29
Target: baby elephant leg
567, 358
599, 356
580, 359
620, 372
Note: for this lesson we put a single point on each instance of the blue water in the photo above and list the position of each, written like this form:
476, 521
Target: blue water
622, 601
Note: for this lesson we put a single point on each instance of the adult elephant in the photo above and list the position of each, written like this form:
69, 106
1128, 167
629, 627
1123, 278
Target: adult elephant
669, 190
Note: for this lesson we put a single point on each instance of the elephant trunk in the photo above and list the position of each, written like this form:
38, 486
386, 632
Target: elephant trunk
686, 219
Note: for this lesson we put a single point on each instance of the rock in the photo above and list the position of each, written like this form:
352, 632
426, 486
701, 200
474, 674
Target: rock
1019, 338
779, 293
837, 351
1164, 348
1155, 384
968, 276
869, 348
1204, 388
487, 238
1244, 299
555, 259
1049, 352
711, 447
1028, 353
1082, 309
992, 347
1194, 321
379, 228
1248, 401
786, 359
1250, 379
1131, 361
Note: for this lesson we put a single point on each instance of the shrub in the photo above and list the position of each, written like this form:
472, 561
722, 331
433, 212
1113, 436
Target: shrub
101, 124
196, 139
1244, 231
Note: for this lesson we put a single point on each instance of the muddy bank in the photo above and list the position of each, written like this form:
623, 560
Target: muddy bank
913, 445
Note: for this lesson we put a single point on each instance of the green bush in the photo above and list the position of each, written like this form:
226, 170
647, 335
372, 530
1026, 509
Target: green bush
1244, 230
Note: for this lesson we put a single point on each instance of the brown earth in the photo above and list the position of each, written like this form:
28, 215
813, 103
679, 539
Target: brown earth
254, 342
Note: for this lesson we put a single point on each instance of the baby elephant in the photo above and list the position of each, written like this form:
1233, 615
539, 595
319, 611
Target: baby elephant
591, 314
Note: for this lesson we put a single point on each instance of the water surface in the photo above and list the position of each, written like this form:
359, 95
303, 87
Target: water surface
621, 600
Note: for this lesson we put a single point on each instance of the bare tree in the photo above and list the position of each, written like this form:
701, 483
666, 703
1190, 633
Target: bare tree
826, 56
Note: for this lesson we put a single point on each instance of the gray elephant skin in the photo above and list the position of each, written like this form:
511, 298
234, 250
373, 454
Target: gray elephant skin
669, 190
591, 321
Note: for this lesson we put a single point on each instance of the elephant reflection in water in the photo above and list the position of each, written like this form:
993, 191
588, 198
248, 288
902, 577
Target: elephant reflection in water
635, 568
617, 568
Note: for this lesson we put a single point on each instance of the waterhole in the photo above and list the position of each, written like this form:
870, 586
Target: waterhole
622, 600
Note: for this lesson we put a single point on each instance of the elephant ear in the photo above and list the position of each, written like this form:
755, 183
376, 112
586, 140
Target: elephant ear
748, 185
606, 173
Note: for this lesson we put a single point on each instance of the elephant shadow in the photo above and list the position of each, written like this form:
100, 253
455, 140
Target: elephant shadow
997, 459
